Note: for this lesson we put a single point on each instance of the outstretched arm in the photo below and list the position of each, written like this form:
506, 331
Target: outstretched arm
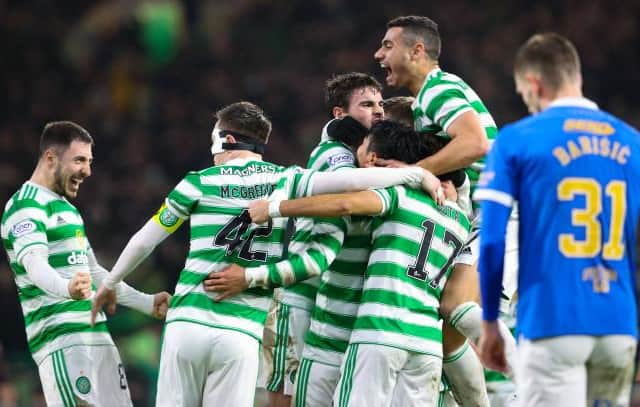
360, 179
325, 206
138, 248
154, 305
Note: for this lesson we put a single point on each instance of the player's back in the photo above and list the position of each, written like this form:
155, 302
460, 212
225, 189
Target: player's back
414, 242
579, 201
340, 289
216, 199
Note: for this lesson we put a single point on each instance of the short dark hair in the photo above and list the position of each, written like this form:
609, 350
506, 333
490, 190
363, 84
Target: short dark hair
550, 55
247, 119
397, 141
398, 109
419, 29
339, 88
59, 135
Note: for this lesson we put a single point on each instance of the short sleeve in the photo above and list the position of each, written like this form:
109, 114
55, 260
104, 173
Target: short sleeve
301, 183
331, 156
335, 158
183, 199
448, 106
26, 228
389, 198
169, 220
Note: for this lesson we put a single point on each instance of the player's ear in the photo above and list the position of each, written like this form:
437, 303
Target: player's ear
230, 139
50, 156
371, 158
418, 50
338, 112
535, 83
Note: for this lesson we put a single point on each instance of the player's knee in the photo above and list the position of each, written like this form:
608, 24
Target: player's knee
462, 287
447, 305
452, 340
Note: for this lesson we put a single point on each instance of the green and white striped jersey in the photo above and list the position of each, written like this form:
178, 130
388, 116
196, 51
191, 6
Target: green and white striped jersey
314, 245
443, 98
329, 155
35, 216
338, 297
216, 200
414, 242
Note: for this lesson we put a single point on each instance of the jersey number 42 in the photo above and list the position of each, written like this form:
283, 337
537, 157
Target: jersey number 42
232, 235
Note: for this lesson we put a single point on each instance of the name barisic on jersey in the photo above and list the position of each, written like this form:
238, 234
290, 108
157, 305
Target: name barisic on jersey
597, 143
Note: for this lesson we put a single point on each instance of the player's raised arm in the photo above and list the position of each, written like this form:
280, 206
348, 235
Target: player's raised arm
468, 144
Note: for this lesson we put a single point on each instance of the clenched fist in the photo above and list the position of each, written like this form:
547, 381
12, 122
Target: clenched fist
80, 286
160, 304
259, 211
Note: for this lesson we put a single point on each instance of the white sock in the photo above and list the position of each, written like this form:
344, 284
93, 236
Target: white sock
465, 374
467, 319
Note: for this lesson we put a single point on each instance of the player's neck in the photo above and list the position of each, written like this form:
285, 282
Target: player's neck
420, 75
42, 177
241, 154
567, 91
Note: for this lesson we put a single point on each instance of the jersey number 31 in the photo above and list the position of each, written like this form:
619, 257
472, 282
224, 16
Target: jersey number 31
587, 217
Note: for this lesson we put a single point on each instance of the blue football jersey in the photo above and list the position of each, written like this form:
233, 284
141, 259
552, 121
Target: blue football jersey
575, 172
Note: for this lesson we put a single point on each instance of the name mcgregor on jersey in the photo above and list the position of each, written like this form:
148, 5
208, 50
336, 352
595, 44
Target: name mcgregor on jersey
246, 192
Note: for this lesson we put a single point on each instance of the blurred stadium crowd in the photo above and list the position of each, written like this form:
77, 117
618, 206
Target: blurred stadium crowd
145, 76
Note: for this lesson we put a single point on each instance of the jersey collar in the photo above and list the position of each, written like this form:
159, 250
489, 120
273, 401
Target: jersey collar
45, 189
241, 161
430, 75
574, 102
433, 73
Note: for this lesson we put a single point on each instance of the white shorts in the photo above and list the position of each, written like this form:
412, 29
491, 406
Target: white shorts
445, 395
206, 366
576, 371
502, 394
267, 347
380, 376
291, 325
84, 376
446, 399
315, 384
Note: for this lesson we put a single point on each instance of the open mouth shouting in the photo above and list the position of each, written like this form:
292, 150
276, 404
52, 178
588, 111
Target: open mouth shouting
74, 183
389, 74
